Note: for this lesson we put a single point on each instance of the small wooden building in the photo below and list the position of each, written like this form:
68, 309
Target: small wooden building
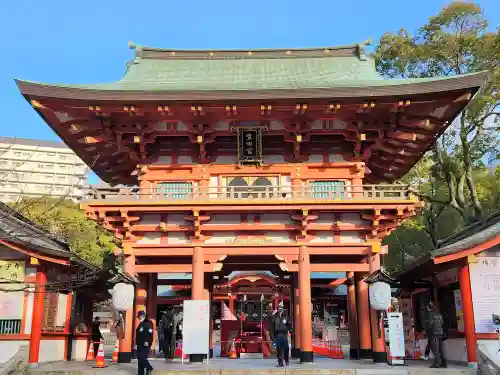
462, 277
39, 307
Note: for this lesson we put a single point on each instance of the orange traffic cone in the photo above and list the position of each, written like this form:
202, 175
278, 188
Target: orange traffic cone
417, 350
114, 358
90, 353
100, 362
232, 352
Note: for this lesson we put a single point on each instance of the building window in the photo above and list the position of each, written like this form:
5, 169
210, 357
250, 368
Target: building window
328, 189
10, 326
175, 190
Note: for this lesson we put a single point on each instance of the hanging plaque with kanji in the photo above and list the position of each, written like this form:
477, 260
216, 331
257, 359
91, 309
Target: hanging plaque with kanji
249, 145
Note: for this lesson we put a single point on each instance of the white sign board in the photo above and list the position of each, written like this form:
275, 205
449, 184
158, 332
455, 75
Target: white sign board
485, 285
196, 327
396, 335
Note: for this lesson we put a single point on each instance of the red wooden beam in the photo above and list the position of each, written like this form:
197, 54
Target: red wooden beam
466, 252
34, 254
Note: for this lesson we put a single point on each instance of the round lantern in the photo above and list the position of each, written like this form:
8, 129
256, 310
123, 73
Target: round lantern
122, 296
380, 296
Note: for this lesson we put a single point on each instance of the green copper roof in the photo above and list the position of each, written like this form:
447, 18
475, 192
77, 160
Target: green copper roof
265, 73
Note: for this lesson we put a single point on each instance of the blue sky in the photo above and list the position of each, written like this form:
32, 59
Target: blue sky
61, 41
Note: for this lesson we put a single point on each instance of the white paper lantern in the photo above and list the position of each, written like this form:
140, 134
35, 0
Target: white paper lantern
122, 296
380, 296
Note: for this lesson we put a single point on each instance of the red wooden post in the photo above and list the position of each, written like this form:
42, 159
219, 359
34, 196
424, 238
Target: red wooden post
37, 320
470, 334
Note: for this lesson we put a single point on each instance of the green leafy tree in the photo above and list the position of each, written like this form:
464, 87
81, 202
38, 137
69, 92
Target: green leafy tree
455, 41
453, 179
64, 218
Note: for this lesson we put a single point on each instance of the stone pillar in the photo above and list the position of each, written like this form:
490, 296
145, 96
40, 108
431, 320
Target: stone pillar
470, 334
306, 354
125, 343
198, 290
37, 319
352, 316
365, 340
377, 330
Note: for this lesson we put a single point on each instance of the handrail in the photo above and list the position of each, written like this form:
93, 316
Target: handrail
252, 193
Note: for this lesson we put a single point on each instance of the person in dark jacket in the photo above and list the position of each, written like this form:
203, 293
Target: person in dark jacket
166, 334
96, 333
280, 327
435, 330
143, 341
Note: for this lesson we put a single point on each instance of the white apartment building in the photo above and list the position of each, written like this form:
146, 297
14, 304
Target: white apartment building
30, 167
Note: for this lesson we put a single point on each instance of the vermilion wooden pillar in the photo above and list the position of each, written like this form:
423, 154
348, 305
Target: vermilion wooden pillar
470, 334
353, 316
37, 319
306, 349
198, 274
363, 305
378, 340
125, 344
231, 304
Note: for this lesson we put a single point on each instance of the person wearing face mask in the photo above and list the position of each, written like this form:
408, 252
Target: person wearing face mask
143, 340
281, 326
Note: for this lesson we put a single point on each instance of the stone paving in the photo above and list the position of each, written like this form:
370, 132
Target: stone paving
321, 366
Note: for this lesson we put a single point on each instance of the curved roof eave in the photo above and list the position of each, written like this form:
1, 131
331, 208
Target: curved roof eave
399, 87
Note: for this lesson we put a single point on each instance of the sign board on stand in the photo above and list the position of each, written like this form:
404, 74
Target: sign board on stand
485, 285
196, 327
396, 338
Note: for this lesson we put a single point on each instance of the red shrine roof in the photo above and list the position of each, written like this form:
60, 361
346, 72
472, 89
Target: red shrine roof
129, 122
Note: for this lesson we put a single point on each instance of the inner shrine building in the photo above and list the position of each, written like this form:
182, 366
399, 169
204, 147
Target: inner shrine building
283, 161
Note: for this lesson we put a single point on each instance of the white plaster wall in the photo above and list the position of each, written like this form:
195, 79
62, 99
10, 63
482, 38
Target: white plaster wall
161, 125
150, 219
222, 125
323, 237
325, 218
276, 125
352, 218
164, 159
9, 348
177, 238
278, 218
270, 159
52, 350
152, 238
181, 126
279, 237
455, 350
317, 124
335, 158
315, 158
176, 219
221, 238
185, 160
79, 350
224, 219
350, 237
61, 309
29, 313
226, 159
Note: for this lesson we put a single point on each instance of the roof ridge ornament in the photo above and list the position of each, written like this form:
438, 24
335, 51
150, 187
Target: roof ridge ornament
361, 49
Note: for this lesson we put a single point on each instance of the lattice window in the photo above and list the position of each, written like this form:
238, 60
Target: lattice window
328, 189
175, 190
